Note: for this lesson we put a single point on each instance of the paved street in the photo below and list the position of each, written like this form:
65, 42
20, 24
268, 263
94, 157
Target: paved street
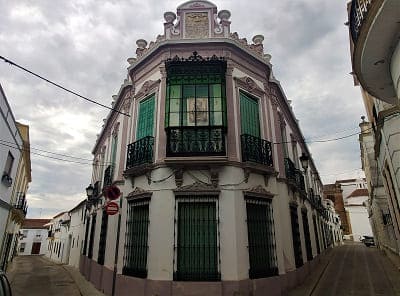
355, 270
36, 276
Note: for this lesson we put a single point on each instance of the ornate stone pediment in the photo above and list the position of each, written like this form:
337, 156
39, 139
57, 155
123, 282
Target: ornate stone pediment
249, 85
139, 193
258, 191
197, 188
147, 87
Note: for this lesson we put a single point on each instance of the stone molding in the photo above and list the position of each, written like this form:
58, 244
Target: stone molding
139, 193
249, 85
258, 191
147, 88
197, 188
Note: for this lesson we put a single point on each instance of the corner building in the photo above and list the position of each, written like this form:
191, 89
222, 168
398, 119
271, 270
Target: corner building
214, 201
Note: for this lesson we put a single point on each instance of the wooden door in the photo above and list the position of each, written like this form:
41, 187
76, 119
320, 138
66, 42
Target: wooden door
35, 248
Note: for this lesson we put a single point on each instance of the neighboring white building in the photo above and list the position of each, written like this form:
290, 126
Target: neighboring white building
10, 157
76, 233
33, 237
356, 204
335, 235
59, 241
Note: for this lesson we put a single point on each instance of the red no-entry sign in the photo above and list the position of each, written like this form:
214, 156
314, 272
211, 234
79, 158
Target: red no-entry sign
112, 208
112, 192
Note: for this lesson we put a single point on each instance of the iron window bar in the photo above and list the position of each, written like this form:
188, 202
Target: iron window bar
256, 150
316, 235
140, 152
91, 239
103, 238
108, 175
261, 238
358, 12
298, 256
294, 175
86, 236
197, 253
136, 238
307, 238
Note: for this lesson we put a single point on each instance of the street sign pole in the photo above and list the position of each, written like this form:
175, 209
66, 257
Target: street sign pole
117, 247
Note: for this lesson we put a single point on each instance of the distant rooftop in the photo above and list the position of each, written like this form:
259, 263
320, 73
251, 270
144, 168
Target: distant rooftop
359, 192
35, 223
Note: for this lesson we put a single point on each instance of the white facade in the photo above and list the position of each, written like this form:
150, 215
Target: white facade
76, 233
9, 158
59, 241
32, 241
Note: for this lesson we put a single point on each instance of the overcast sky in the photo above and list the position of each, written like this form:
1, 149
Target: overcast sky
84, 45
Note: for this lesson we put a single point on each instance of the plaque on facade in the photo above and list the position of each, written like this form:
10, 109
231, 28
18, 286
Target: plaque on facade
196, 25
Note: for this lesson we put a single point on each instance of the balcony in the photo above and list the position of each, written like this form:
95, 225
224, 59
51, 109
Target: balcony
21, 203
374, 31
256, 150
195, 141
108, 175
294, 175
140, 152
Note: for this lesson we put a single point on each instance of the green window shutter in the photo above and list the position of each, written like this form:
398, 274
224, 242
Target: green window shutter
250, 121
146, 118
114, 149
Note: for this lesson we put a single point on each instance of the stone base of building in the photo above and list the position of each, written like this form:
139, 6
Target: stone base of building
102, 278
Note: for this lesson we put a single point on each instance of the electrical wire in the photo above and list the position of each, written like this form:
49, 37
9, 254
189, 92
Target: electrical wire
60, 86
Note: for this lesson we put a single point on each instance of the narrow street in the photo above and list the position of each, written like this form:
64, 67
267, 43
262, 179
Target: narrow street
353, 269
36, 276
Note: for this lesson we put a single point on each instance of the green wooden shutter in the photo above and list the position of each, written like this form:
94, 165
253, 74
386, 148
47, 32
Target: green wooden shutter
146, 118
114, 150
250, 121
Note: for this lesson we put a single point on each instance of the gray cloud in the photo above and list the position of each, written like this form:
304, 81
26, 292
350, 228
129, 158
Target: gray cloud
84, 46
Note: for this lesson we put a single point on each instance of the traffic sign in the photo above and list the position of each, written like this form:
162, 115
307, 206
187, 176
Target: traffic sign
112, 192
112, 208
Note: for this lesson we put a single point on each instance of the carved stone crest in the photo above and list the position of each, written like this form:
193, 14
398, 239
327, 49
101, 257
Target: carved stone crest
249, 85
147, 87
139, 193
196, 25
197, 188
258, 191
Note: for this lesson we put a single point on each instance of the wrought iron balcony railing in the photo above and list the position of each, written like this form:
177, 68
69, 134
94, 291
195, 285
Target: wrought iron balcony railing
358, 12
21, 203
256, 150
108, 175
195, 141
294, 175
140, 152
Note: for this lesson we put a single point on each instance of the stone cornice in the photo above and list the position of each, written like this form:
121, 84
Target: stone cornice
139, 193
258, 191
147, 88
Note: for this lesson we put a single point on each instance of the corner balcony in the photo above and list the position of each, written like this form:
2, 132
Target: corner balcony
375, 33
294, 175
21, 203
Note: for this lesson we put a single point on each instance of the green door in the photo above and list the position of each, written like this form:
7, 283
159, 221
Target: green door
250, 120
146, 118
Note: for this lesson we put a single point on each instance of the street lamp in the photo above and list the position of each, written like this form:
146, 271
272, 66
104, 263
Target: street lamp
304, 161
89, 192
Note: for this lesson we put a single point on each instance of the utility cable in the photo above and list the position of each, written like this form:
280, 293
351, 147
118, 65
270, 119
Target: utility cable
60, 86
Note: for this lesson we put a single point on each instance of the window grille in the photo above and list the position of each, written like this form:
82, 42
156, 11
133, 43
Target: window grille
103, 238
86, 236
298, 256
307, 238
316, 235
197, 239
136, 238
261, 238
91, 239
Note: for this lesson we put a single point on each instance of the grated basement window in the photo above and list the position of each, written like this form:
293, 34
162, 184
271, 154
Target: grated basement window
91, 240
261, 238
86, 236
298, 256
103, 238
136, 245
316, 235
197, 239
307, 238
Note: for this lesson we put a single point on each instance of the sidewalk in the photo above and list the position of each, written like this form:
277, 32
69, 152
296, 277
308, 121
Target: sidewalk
85, 287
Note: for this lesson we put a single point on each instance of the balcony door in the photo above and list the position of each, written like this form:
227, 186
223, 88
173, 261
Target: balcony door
145, 125
250, 119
